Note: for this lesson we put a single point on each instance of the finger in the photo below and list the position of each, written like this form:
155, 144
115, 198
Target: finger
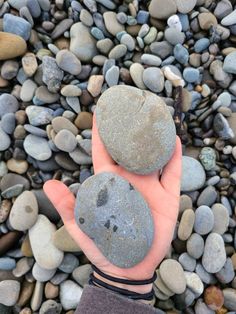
100, 155
171, 174
62, 199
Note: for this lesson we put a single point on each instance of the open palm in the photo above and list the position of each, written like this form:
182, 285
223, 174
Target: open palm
161, 194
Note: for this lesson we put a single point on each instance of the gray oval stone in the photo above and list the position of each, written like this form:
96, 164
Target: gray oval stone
191, 168
204, 220
214, 256
37, 147
140, 136
116, 217
172, 274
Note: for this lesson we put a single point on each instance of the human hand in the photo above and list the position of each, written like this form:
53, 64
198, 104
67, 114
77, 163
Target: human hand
161, 194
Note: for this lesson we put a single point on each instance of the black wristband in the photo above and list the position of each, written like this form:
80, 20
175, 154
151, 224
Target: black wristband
125, 281
127, 293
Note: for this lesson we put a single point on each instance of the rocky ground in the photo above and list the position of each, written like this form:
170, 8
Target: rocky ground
56, 59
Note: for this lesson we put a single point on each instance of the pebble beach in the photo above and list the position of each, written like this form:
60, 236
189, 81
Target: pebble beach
57, 59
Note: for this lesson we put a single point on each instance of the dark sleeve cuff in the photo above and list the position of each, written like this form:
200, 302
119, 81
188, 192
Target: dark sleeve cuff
95, 300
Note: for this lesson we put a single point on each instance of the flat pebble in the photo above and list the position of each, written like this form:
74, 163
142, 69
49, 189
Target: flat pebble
172, 274
64, 242
68, 62
186, 224
153, 78
82, 43
7, 263
8, 104
204, 220
5, 140
41, 274
112, 76
100, 195
69, 263
70, 294
11, 46
52, 74
221, 218
194, 282
136, 72
16, 25
160, 10
192, 168
37, 147
24, 212
112, 24
230, 298
45, 253
181, 54
185, 6
208, 196
174, 36
191, 75
27, 91
195, 245
65, 141
9, 292
50, 306
187, 261
227, 273
39, 115
81, 274
214, 256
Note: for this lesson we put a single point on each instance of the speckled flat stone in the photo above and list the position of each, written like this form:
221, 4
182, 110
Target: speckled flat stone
116, 217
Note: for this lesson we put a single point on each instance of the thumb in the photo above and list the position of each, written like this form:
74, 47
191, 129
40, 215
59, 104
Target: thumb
62, 199
171, 175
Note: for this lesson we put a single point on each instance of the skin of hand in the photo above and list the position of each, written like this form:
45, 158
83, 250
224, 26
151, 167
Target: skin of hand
160, 192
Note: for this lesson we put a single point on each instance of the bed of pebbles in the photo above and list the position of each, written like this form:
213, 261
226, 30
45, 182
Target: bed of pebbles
56, 59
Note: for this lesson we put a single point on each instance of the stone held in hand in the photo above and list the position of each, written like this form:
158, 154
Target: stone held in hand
136, 128
116, 217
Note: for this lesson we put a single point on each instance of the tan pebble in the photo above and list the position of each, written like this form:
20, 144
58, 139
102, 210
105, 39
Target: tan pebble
3, 82
223, 310
20, 116
51, 291
26, 310
19, 133
95, 84
227, 51
29, 63
198, 88
84, 120
16, 91
233, 258
17, 166
42, 53
133, 30
11, 46
70, 312
186, 224
64, 242
60, 123
136, 72
71, 90
26, 292
62, 43
206, 20
99, 60
185, 203
4, 210
26, 247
